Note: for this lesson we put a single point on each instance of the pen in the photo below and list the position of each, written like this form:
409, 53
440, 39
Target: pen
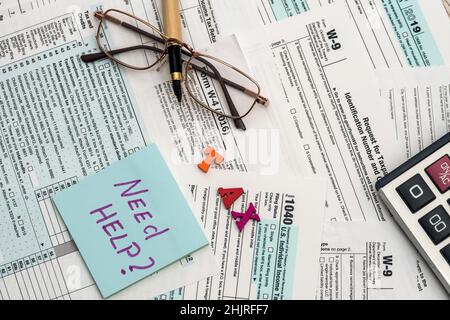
172, 29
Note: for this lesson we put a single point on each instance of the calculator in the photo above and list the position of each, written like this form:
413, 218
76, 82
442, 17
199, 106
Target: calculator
418, 195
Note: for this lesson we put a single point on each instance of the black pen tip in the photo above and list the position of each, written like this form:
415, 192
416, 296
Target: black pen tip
176, 85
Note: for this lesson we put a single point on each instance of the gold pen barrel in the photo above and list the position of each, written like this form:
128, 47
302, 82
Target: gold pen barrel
172, 20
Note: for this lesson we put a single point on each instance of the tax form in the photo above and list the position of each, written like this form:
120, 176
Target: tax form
339, 135
45, 150
276, 258
419, 107
12, 8
62, 120
183, 133
258, 149
395, 33
203, 21
70, 30
447, 6
372, 260
333, 119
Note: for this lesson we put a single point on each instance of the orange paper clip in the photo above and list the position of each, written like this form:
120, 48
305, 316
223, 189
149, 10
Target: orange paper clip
211, 155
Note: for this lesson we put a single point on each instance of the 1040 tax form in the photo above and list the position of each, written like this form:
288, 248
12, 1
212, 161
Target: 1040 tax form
334, 123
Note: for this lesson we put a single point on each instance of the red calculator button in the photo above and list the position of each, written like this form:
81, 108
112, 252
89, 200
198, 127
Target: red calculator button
439, 172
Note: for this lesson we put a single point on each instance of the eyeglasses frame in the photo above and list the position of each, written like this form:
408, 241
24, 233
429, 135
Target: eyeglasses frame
189, 65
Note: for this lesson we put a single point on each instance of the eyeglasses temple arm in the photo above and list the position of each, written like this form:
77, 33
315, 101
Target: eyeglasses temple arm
239, 123
93, 57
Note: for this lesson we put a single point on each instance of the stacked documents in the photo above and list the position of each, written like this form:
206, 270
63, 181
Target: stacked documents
355, 89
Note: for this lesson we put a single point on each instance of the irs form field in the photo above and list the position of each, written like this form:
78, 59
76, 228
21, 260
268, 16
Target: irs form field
47, 149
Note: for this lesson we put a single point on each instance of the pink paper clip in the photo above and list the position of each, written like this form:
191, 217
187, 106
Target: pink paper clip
243, 218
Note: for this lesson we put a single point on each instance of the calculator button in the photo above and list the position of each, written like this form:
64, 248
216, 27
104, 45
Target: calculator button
439, 172
446, 253
416, 193
436, 224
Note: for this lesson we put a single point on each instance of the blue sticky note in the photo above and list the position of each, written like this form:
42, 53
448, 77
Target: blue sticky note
130, 220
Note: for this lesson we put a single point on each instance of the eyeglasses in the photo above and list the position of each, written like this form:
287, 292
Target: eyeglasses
136, 44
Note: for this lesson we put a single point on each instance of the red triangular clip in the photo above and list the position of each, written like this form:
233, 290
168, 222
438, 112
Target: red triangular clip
229, 196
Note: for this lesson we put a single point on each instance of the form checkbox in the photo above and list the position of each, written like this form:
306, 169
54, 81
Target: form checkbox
54, 241
270, 249
273, 226
163, 297
15, 124
66, 236
20, 222
83, 130
321, 259
30, 168
12, 194
405, 34
22, 144
293, 111
265, 296
101, 67
107, 65
331, 259
96, 168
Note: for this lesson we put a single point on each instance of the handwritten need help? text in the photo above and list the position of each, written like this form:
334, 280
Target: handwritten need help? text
120, 241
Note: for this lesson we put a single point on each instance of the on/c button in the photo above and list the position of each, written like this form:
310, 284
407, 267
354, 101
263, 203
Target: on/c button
439, 173
416, 193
